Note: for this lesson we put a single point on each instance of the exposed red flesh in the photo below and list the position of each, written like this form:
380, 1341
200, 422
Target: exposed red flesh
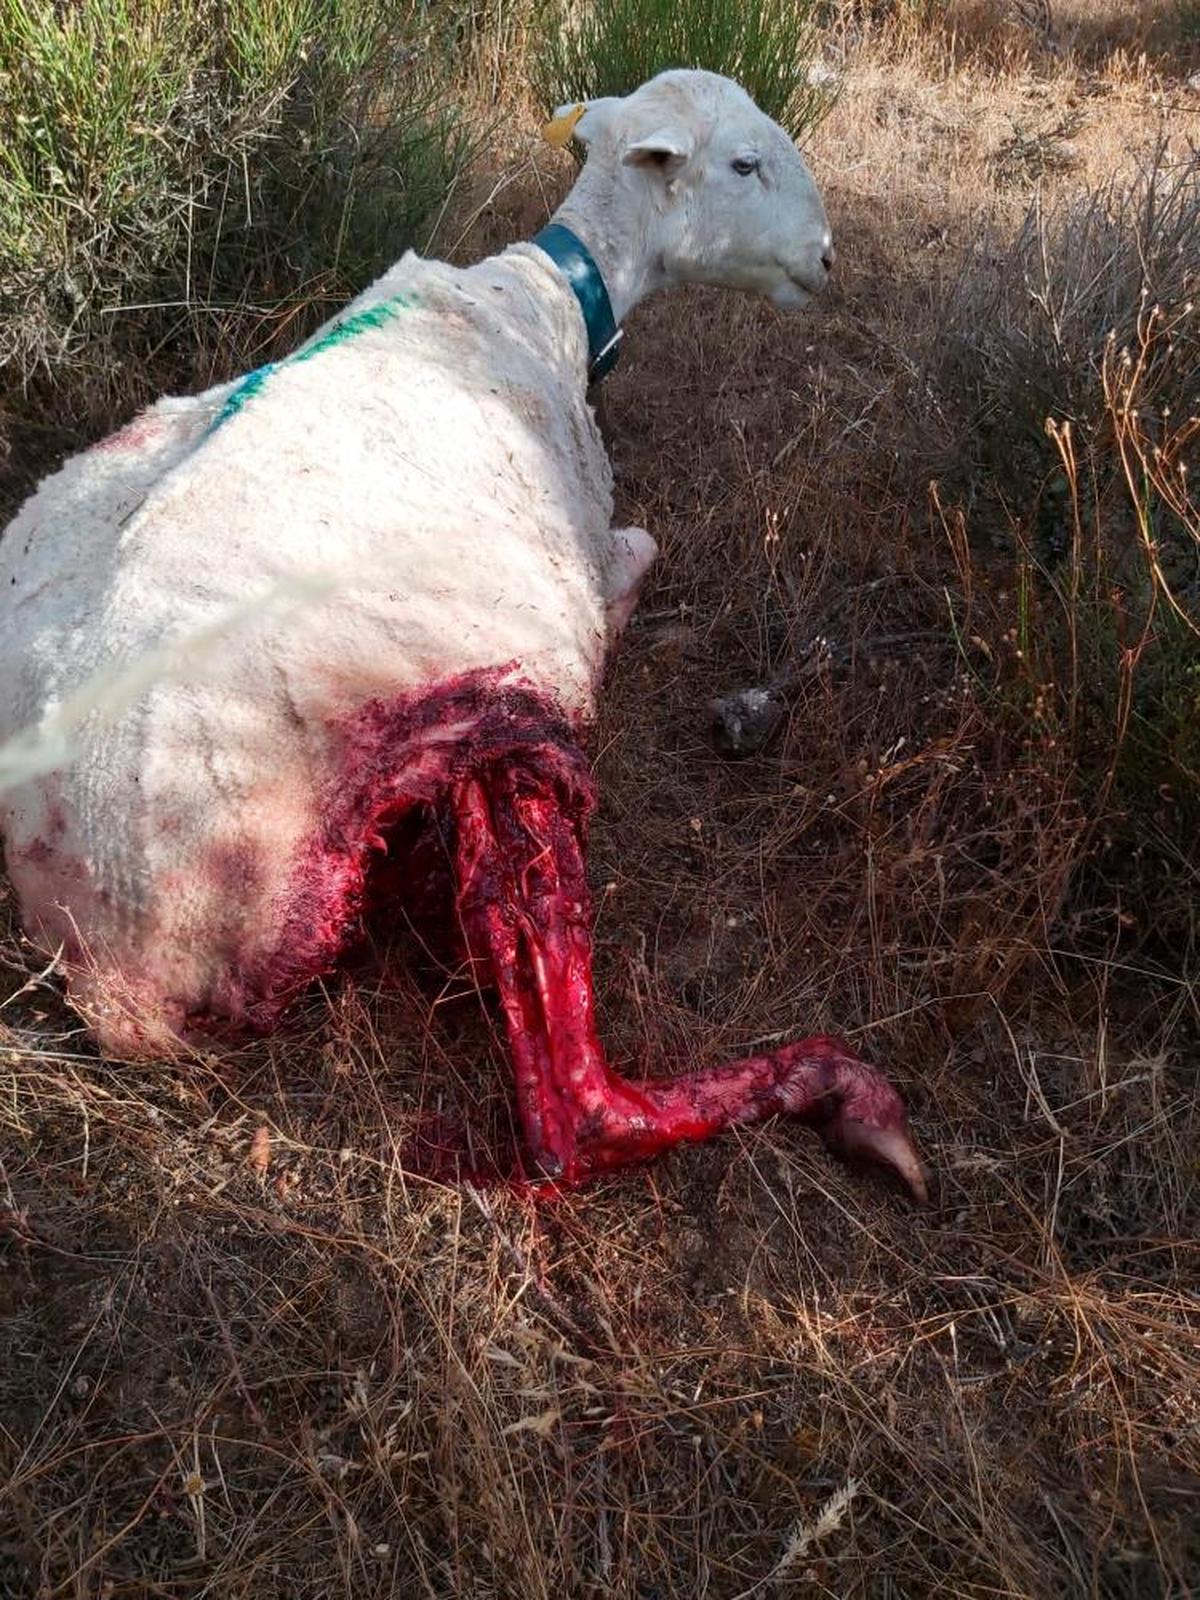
480, 795
392, 762
522, 897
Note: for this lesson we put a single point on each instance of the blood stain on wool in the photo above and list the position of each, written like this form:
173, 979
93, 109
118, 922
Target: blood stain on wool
465, 809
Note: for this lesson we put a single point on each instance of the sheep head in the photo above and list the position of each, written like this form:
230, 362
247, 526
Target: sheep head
723, 195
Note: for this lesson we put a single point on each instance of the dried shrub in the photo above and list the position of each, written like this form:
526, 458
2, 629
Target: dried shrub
1074, 357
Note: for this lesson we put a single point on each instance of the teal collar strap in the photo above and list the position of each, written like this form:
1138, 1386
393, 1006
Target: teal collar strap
574, 260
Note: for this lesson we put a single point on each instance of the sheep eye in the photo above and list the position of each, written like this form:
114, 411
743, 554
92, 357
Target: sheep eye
745, 165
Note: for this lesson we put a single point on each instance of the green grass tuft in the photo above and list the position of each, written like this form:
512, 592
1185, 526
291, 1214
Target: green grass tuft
611, 46
185, 189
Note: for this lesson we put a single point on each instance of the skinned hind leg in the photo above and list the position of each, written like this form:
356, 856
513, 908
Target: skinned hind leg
523, 904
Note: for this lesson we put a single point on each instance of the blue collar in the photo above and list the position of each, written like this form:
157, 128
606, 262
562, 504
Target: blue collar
574, 260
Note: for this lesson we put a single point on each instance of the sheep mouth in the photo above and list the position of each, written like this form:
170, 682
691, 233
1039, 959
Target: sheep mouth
793, 294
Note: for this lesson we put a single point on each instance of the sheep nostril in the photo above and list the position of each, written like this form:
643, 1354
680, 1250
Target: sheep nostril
827, 260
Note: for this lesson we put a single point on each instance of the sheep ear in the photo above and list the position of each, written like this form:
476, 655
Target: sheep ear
665, 151
582, 120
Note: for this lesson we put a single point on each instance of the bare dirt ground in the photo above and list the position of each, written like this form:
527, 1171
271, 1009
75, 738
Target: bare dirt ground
247, 1352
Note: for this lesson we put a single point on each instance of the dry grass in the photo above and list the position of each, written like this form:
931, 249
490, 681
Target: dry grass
246, 1352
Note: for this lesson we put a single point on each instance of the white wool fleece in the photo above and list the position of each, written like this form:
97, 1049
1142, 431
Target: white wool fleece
442, 459
432, 448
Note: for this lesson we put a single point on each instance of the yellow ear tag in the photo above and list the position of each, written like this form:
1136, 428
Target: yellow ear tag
558, 133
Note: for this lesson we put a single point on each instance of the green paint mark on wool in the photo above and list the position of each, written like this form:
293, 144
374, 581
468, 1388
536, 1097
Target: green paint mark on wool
250, 385
372, 317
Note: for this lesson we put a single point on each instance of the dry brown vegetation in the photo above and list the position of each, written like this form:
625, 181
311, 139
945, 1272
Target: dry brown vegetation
248, 1351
